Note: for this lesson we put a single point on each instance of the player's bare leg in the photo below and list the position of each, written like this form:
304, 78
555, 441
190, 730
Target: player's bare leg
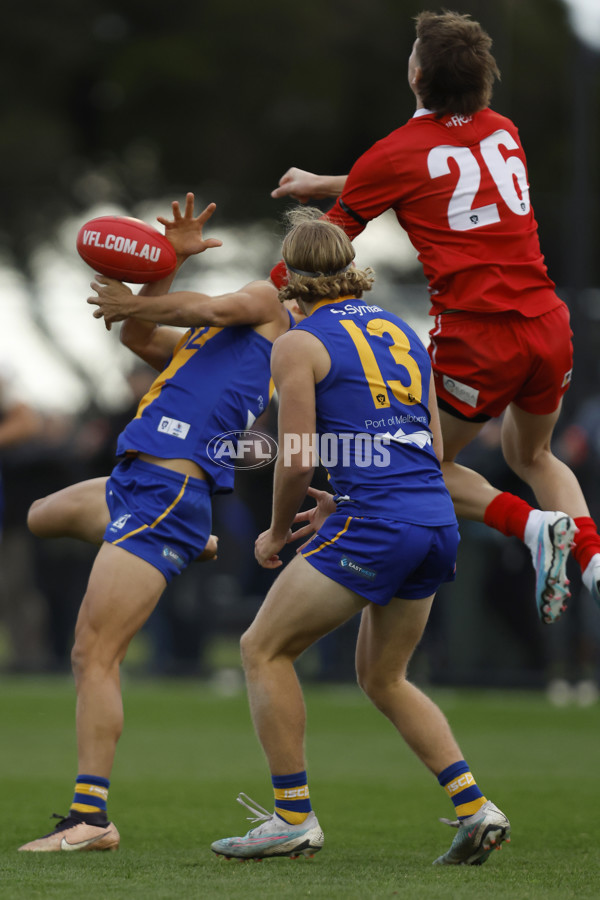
122, 592
301, 607
387, 639
77, 511
549, 532
526, 447
471, 493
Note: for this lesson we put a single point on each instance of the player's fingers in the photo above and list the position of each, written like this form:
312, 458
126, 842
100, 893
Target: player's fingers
288, 191
302, 516
206, 213
300, 533
284, 190
189, 204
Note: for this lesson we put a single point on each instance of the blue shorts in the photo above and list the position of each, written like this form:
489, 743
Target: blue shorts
381, 558
159, 515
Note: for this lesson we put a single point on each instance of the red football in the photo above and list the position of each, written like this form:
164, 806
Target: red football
125, 248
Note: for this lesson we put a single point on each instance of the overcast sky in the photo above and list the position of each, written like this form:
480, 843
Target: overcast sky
585, 18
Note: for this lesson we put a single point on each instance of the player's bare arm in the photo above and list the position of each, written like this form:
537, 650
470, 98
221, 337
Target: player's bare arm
293, 370
304, 186
153, 344
254, 304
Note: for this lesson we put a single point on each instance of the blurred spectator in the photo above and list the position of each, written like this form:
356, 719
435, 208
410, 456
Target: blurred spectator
19, 608
18, 421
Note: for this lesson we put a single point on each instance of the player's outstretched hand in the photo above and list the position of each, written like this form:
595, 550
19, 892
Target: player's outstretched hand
112, 300
184, 230
298, 184
314, 518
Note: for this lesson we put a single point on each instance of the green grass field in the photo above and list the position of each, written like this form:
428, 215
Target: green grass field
187, 751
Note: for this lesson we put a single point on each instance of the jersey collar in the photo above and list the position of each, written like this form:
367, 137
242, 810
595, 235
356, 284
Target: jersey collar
329, 302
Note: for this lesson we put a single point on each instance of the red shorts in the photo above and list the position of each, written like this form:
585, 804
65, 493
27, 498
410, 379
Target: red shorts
484, 361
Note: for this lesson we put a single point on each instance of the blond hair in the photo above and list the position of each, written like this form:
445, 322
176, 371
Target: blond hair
319, 256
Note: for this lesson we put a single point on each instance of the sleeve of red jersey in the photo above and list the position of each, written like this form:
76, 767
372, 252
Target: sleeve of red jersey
372, 187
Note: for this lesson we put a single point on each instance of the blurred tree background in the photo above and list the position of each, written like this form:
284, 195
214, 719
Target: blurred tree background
108, 104
138, 99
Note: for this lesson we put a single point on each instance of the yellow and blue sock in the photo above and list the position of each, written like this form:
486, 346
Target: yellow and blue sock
91, 794
462, 789
292, 802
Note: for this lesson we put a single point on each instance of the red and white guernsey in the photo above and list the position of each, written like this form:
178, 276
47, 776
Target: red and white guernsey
459, 188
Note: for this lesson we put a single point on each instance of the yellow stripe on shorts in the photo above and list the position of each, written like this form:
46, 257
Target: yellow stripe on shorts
333, 539
162, 516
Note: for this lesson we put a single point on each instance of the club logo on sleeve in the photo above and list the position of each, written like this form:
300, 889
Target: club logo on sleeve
362, 571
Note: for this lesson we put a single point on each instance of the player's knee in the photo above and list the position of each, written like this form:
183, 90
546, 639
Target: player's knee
94, 653
380, 687
46, 518
249, 649
259, 648
524, 459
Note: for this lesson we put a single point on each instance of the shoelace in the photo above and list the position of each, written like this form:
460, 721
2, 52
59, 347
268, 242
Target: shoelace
258, 811
453, 823
63, 820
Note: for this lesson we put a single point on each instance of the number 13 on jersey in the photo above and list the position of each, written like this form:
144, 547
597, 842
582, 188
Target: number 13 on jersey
407, 394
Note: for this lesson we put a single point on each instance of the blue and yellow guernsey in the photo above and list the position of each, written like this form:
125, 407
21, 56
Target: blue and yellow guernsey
373, 416
218, 380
